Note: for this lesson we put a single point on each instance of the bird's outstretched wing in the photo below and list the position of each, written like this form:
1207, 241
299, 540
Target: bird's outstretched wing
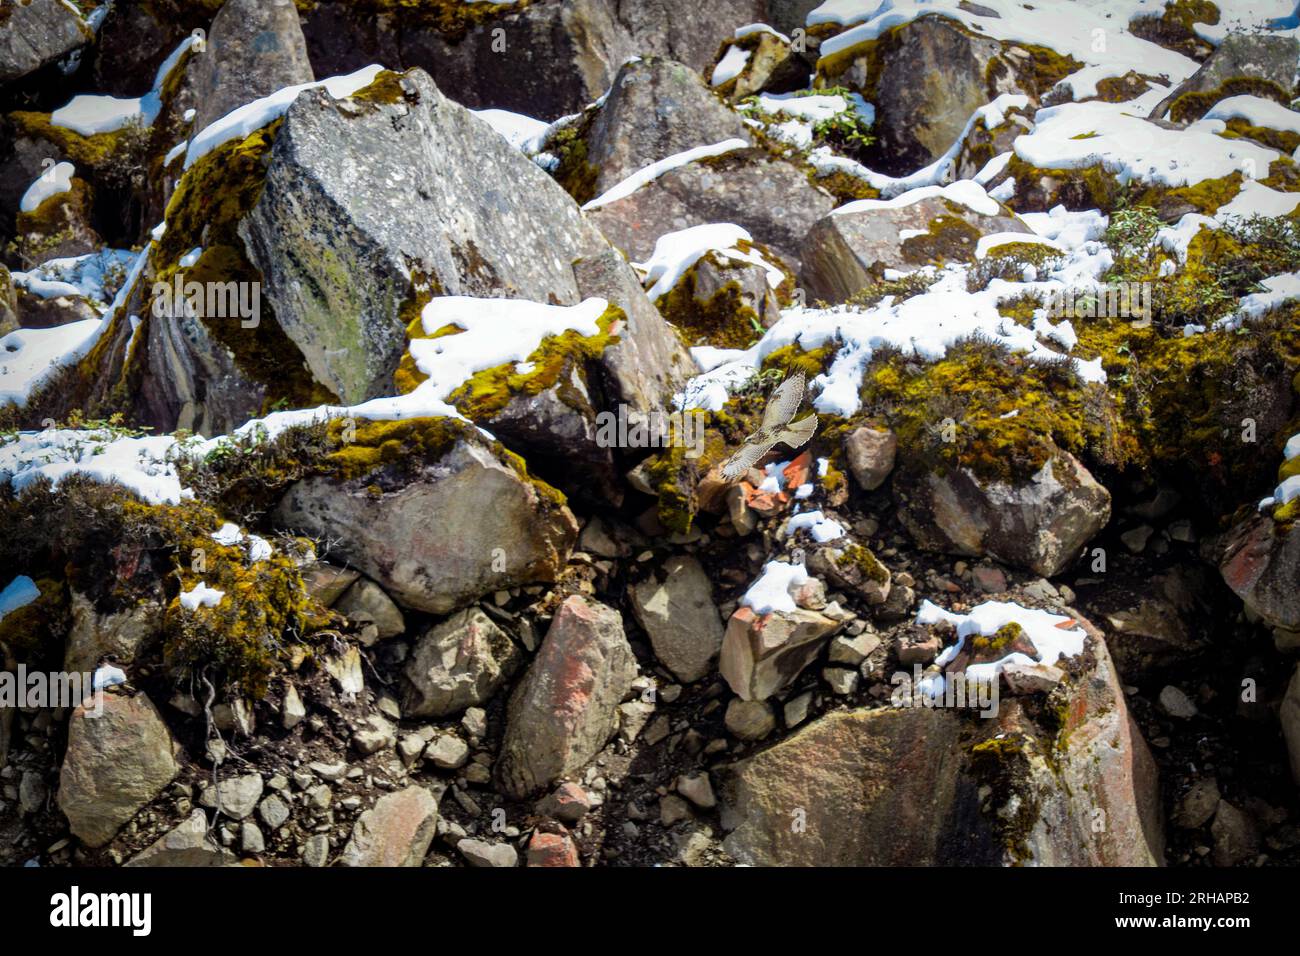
797, 434
784, 402
747, 456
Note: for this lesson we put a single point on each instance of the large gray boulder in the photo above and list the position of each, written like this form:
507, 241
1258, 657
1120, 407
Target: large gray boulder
566, 707
547, 59
656, 109
772, 198
38, 32
902, 787
686, 30
1255, 63
925, 78
116, 762
372, 202
253, 49
648, 363
851, 247
459, 663
1040, 524
680, 617
441, 529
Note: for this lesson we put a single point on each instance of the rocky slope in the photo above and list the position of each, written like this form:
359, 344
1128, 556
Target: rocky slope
336, 338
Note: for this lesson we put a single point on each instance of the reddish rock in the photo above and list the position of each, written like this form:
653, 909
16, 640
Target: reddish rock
396, 831
566, 707
552, 849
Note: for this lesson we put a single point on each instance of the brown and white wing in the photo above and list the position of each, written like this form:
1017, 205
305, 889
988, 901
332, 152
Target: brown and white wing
784, 402
746, 457
797, 434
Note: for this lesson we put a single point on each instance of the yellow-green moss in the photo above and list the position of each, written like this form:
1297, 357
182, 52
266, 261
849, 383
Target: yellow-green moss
1283, 140
790, 359
452, 18
213, 196
948, 238
999, 640
1193, 105
574, 172
724, 319
92, 152
1175, 27
862, 558
488, 392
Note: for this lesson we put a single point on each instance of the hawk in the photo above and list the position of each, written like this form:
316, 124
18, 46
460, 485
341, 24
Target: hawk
776, 429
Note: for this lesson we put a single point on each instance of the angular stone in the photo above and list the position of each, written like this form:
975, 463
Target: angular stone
566, 707
656, 108
189, 844
396, 831
253, 49
568, 804
768, 196
870, 452
552, 849
38, 32
353, 223
115, 763
457, 664
1040, 524
238, 795
749, 719
1268, 61
896, 786
852, 247
680, 617
1261, 563
648, 364
1289, 716
464, 525
481, 853
762, 655
556, 58
122, 634
366, 601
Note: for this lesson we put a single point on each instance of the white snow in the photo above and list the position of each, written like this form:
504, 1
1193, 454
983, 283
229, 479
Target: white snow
228, 535
731, 65
522, 132
244, 121
675, 253
1113, 135
90, 114
652, 172
1277, 290
771, 592
1043, 629
85, 275
821, 528
107, 676
965, 191
201, 596
28, 357
55, 181
1256, 111
142, 465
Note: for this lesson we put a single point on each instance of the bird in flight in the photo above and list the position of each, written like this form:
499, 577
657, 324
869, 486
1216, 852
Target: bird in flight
776, 429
